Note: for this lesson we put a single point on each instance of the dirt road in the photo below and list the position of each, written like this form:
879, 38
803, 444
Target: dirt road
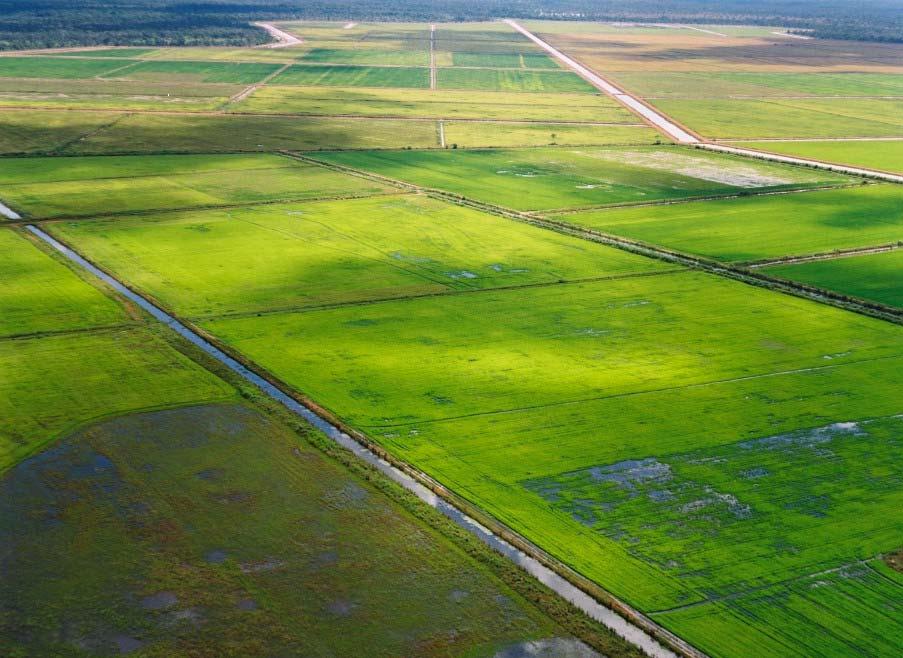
282, 37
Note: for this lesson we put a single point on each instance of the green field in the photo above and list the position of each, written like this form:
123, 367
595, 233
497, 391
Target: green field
707, 84
544, 179
205, 72
886, 156
501, 135
440, 104
107, 52
313, 75
512, 81
749, 119
53, 67
568, 390
303, 255
91, 185
875, 277
41, 294
769, 226
503, 60
363, 56
151, 133
55, 383
47, 130
216, 530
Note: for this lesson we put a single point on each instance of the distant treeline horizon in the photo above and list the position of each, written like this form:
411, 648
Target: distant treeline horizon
26, 24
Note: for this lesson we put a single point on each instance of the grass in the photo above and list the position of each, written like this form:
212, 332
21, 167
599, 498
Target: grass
438, 104
503, 135
886, 156
566, 178
205, 72
56, 383
215, 529
107, 52
750, 119
41, 294
190, 134
506, 395
875, 277
702, 84
362, 56
354, 76
754, 228
54, 67
512, 81
46, 131
305, 255
92, 185
503, 60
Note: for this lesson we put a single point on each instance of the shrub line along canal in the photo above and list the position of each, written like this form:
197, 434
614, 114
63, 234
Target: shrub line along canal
639, 630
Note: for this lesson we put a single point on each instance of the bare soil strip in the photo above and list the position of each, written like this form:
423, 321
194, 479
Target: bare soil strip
793, 36
282, 37
250, 89
655, 118
639, 630
441, 126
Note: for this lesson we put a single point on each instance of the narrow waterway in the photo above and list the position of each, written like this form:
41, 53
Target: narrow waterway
543, 574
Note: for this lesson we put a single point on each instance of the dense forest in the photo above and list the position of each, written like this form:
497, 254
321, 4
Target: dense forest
57, 23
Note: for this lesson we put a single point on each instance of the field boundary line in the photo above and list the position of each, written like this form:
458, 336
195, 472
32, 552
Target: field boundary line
426, 295
103, 76
726, 270
579, 591
825, 255
90, 133
96, 329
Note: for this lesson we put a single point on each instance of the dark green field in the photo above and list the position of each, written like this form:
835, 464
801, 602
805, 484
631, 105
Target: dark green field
354, 76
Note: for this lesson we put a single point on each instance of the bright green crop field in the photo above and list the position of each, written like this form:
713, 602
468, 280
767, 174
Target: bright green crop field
883, 155
749, 119
876, 277
41, 294
207, 72
156, 133
761, 227
545, 179
55, 383
53, 67
502, 135
354, 76
247, 260
92, 185
504, 60
549, 408
511, 80
439, 104
363, 56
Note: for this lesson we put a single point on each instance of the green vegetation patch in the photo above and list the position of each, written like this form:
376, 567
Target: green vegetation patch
760, 227
244, 73
851, 609
882, 155
214, 529
91, 185
55, 383
509, 80
149, 133
440, 104
39, 293
107, 52
503, 60
749, 119
876, 277
46, 131
54, 67
475, 134
302, 255
354, 76
568, 178
365, 56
